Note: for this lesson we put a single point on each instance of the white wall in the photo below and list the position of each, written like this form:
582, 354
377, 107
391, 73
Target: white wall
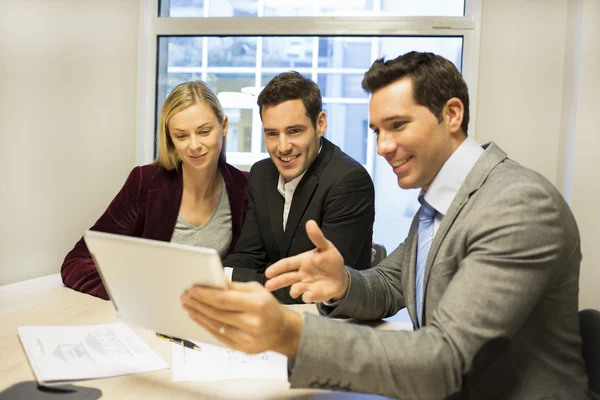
538, 95
67, 124
520, 79
585, 177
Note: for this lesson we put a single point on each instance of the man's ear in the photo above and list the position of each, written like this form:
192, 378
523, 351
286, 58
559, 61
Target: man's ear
321, 123
453, 113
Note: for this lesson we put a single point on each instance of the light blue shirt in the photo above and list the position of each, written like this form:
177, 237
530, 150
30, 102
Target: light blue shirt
452, 175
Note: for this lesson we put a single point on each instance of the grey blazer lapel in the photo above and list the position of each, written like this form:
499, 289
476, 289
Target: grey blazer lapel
486, 163
408, 274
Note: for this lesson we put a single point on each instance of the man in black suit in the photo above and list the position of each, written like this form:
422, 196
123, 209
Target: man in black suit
325, 184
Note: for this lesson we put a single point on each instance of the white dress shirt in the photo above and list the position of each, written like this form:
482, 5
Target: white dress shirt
287, 191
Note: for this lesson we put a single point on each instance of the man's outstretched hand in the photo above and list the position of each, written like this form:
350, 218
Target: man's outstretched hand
317, 275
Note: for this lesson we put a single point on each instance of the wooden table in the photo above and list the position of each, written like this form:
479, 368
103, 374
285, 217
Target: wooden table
45, 301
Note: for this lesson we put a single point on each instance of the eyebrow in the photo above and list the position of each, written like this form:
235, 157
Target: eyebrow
198, 127
392, 118
297, 126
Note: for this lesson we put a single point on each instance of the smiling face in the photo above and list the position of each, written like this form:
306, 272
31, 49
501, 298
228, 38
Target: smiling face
197, 136
410, 137
291, 139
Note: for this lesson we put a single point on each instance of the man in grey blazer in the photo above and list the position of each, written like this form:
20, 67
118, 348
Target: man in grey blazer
489, 271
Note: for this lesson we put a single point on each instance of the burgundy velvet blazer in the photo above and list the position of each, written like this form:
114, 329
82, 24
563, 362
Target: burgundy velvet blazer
147, 206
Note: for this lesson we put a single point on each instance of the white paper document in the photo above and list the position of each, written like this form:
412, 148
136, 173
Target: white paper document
214, 363
67, 353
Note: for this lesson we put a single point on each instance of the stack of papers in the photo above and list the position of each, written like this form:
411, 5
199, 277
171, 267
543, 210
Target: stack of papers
215, 363
68, 353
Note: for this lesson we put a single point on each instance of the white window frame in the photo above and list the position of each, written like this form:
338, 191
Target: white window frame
151, 27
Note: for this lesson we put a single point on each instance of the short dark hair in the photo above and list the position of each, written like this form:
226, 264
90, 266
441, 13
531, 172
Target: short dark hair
435, 80
292, 86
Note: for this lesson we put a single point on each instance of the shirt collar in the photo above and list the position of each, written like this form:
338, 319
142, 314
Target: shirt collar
452, 175
291, 185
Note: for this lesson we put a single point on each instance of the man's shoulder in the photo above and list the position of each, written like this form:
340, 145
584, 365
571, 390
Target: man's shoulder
511, 175
262, 170
510, 183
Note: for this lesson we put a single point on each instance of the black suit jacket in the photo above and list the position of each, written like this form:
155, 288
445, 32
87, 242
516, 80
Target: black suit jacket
336, 191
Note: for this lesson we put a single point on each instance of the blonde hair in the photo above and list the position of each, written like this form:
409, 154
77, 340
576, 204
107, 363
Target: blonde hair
183, 96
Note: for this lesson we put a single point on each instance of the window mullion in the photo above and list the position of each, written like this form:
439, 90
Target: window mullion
256, 122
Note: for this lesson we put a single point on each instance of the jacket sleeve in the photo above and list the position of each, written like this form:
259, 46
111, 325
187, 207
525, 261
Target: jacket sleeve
78, 270
348, 215
516, 249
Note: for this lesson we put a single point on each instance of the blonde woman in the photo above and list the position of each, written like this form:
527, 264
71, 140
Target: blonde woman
188, 195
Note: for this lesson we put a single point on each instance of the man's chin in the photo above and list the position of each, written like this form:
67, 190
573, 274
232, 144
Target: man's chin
289, 177
407, 184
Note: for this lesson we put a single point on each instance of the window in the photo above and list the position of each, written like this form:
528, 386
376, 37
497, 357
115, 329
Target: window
237, 46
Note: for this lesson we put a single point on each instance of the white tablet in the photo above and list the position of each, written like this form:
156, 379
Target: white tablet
145, 279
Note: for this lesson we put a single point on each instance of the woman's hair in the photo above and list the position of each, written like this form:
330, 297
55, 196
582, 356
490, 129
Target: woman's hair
183, 96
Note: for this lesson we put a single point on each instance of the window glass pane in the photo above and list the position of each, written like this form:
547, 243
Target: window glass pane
267, 76
183, 51
341, 85
289, 8
345, 8
344, 52
287, 52
233, 8
239, 135
448, 47
232, 51
229, 82
348, 127
449, 8
181, 8
311, 8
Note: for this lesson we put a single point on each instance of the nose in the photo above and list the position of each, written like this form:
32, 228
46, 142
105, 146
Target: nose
284, 144
385, 143
194, 142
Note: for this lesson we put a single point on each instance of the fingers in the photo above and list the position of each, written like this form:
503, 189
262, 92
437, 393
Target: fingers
282, 281
238, 297
212, 313
316, 236
312, 296
285, 265
248, 320
230, 335
298, 289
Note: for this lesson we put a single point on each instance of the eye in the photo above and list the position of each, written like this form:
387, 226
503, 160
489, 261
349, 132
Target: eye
271, 133
376, 132
205, 132
398, 124
294, 131
180, 136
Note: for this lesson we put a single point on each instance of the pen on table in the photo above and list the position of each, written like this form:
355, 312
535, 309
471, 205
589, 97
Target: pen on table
182, 342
